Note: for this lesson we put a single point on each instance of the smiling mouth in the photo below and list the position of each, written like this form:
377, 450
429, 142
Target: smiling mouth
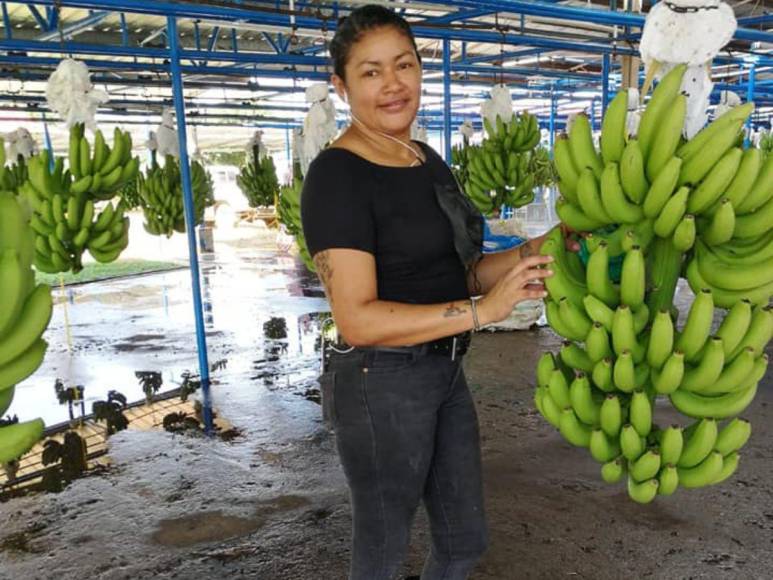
395, 105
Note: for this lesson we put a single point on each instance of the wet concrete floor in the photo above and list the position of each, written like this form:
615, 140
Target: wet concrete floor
273, 505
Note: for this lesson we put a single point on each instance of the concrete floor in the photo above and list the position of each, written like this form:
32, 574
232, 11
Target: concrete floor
273, 504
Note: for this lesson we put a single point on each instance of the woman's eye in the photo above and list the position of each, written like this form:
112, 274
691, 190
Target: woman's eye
370, 73
404, 65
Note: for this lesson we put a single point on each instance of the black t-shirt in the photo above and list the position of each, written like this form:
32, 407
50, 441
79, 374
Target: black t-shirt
390, 212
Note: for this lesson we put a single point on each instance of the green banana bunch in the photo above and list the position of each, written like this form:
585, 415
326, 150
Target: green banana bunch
130, 194
289, 214
11, 177
258, 180
100, 172
25, 312
160, 188
701, 209
505, 168
66, 222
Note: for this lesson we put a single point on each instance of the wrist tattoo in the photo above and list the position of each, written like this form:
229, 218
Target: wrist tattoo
453, 311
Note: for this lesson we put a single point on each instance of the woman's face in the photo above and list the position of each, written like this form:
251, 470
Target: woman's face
383, 81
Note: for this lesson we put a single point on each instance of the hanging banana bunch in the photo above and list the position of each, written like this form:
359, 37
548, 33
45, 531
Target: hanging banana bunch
25, 312
162, 196
257, 179
498, 170
289, 213
663, 207
101, 172
13, 176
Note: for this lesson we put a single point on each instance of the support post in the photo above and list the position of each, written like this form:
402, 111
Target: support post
605, 69
179, 105
447, 99
750, 98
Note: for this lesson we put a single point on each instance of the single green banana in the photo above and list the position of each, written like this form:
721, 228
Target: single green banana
671, 444
613, 128
641, 413
573, 430
672, 213
581, 146
733, 436
613, 471
662, 99
611, 416
613, 199
710, 363
632, 279
729, 467
33, 320
669, 133
734, 326
703, 473
599, 312
575, 357
668, 379
661, 342
668, 479
719, 407
631, 444
646, 466
602, 375
662, 188
684, 234
698, 326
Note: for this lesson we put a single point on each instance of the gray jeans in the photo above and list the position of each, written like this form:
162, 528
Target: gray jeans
407, 431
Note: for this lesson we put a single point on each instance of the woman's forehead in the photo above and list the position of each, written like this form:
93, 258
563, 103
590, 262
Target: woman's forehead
380, 45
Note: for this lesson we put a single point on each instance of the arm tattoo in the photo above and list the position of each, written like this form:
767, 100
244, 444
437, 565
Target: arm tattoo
325, 272
453, 311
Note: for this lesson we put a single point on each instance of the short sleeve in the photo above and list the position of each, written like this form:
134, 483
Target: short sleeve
335, 204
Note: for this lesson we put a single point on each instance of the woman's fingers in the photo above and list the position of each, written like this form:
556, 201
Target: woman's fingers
529, 263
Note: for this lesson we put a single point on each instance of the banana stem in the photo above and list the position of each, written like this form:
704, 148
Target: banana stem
666, 262
67, 330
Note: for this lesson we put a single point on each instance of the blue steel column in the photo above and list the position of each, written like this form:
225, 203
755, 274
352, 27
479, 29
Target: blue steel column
447, 98
179, 106
604, 83
750, 97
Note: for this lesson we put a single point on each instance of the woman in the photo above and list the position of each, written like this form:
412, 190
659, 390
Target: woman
390, 235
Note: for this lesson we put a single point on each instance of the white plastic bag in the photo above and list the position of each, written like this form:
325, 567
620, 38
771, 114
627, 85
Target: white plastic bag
500, 104
466, 129
527, 313
70, 93
166, 136
319, 126
19, 142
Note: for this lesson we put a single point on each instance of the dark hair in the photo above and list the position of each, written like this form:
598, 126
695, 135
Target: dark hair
351, 28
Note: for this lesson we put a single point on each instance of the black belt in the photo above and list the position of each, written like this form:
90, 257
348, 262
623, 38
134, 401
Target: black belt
454, 346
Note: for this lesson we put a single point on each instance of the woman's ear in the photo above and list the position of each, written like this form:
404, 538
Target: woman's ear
339, 86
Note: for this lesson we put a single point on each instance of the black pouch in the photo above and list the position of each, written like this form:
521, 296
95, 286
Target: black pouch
466, 220
327, 381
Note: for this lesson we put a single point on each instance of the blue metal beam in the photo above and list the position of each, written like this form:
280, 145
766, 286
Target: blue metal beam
455, 16
213, 38
447, 99
755, 20
124, 30
76, 27
53, 18
190, 221
270, 40
537, 8
38, 16
7, 22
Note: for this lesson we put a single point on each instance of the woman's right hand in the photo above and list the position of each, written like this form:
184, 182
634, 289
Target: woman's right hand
523, 282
